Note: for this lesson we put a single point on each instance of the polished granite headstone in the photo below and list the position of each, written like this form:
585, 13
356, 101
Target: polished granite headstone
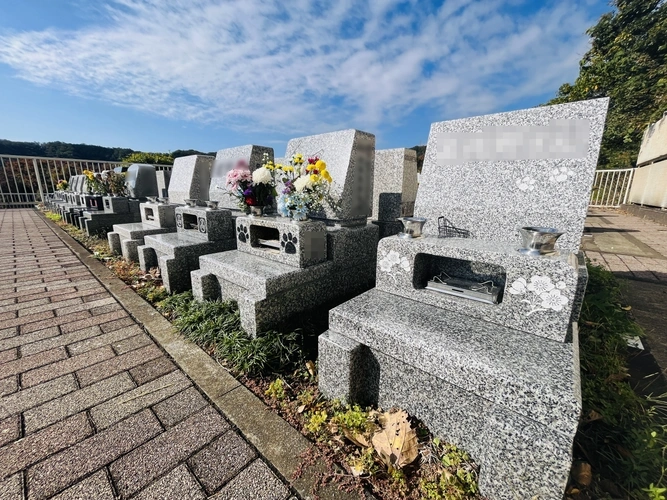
190, 176
492, 365
225, 161
394, 188
282, 267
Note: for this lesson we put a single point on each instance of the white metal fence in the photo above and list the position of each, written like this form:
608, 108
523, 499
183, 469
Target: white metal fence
611, 188
24, 180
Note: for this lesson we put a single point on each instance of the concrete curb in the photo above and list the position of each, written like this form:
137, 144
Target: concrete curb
273, 437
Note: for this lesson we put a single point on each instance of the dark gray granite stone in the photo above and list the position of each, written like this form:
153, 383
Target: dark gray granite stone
394, 183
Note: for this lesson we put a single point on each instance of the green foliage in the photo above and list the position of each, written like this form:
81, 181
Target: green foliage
276, 389
53, 216
59, 149
316, 422
188, 152
655, 493
457, 479
352, 419
621, 435
153, 294
150, 158
627, 62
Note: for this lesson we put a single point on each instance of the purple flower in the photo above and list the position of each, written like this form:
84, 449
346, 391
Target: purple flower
248, 191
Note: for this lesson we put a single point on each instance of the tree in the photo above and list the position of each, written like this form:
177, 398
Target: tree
627, 62
150, 158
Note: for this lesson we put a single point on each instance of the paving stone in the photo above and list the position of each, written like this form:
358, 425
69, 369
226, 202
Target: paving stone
29, 362
103, 339
152, 370
117, 324
132, 343
60, 340
12, 488
56, 320
68, 365
18, 455
8, 332
102, 293
221, 460
9, 385
177, 485
139, 467
56, 307
95, 487
29, 398
93, 320
10, 429
180, 406
25, 340
68, 293
117, 364
70, 465
8, 355
7, 315
77, 304
74, 402
29, 320
38, 301
144, 396
257, 482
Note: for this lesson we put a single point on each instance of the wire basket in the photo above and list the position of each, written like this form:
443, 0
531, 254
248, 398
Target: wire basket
447, 230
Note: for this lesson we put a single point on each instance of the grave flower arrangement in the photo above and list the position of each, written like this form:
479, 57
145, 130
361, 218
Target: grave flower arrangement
107, 183
62, 185
256, 189
306, 186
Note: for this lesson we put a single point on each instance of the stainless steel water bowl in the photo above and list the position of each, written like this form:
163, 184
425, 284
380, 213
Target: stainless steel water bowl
211, 205
539, 240
191, 202
163, 201
412, 227
152, 199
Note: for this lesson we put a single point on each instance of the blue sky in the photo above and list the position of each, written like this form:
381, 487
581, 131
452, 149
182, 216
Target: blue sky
160, 75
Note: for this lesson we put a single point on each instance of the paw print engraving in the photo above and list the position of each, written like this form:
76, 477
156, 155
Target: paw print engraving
179, 220
202, 225
289, 243
243, 233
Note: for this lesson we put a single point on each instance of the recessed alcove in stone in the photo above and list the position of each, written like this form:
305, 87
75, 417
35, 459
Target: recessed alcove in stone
149, 214
190, 221
264, 237
428, 266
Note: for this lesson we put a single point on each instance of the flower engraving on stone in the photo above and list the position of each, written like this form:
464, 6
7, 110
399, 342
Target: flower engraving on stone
541, 294
526, 183
393, 260
202, 225
179, 220
561, 174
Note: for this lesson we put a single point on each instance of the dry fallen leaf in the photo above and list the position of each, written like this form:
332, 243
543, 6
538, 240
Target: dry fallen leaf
310, 366
357, 438
626, 308
582, 474
593, 415
301, 408
396, 442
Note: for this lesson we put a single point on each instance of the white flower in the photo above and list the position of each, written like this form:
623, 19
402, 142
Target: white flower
385, 265
540, 284
405, 264
518, 287
526, 184
262, 176
393, 257
302, 183
560, 285
560, 174
553, 300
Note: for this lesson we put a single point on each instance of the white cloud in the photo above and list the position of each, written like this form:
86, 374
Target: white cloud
312, 66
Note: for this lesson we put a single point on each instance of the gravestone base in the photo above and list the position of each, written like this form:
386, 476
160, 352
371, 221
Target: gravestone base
388, 228
177, 255
269, 292
125, 238
511, 399
102, 221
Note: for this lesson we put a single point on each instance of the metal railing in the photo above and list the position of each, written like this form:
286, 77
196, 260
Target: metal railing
611, 188
24, 180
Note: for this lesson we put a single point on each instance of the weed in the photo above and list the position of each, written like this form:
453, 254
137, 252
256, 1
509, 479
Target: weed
276, 389
316, 422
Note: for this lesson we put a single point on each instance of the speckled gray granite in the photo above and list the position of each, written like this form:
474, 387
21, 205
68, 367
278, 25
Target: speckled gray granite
394, 183
163, 179
141, 181
515, 410
269, 292
297, 244
190, 178
159, 215
117, 210
350, 156
204, 224
125, 238
539, 292
492, 197
226, 160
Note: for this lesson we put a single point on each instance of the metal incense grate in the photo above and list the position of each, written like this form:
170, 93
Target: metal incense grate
447, 230
486, 291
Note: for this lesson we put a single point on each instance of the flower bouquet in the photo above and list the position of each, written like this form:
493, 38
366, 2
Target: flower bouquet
62, 185
256, 189
306, 186
109, 183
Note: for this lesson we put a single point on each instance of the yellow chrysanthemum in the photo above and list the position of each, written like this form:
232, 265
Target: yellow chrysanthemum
314, 177
327, 176
320, 165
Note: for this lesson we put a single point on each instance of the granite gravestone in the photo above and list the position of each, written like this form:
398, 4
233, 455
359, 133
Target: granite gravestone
283, 267
465, 332
225, 161
189, 180
394, 188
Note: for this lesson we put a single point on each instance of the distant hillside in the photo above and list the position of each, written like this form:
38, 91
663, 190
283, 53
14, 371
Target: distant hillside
59, 149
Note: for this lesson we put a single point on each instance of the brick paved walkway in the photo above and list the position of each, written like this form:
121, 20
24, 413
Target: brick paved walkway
628, 246
90, 407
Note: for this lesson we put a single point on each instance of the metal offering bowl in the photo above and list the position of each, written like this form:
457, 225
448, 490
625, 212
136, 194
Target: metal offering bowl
211, 205
539, 240
190, 202
412, 227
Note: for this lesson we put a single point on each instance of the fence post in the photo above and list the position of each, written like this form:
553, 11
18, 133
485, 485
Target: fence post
39, 181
